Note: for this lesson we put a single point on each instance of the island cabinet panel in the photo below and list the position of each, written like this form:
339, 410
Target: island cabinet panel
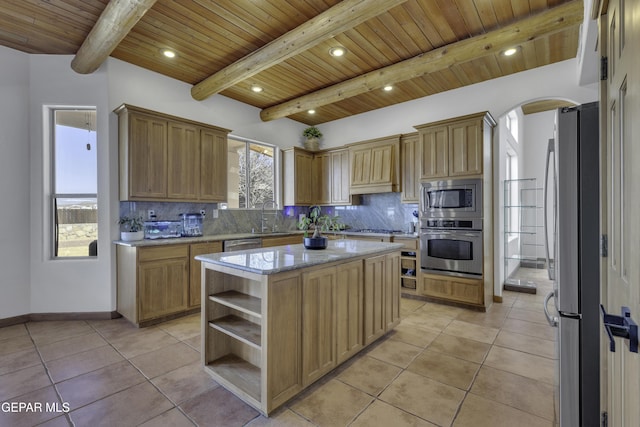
349, 309
392, 291
183, 154
195, 272
284, 340
146, 153
374, 298
318, 324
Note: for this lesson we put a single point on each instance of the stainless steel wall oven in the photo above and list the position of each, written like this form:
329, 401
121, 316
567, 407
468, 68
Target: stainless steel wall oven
452, 247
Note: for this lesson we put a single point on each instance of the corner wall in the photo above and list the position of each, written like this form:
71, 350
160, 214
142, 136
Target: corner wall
14, 183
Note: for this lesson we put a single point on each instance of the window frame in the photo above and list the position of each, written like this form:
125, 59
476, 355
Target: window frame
277, 171
52, 222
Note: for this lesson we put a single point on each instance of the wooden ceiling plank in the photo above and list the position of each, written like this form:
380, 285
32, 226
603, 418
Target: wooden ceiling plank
520, 8
115, 22
335, 20
537, 26
503, 10
470, 16
454, 17
424, 23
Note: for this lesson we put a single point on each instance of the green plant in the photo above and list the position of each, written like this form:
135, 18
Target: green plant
312, 132
131, 224
319, 223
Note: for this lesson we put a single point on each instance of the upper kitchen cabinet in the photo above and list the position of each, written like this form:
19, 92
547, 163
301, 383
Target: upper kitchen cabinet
454, 147
297, 184
410, 161
320, 178
166, 158
375, 166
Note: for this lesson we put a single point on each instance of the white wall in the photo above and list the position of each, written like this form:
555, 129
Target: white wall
14, 183
498, 96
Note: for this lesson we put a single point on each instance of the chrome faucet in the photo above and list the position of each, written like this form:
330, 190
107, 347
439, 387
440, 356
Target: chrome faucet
263, 219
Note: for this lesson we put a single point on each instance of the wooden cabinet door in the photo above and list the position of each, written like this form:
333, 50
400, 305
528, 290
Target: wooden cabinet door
374, 309
213, 166
392, 291
410, 166
349, 314
435, 152
321, 177
361, 166
147, 163
304, 183
465, 148
163, 287
195, 270
340, 181
318, 324
183, 154
382, 163
294, 239
459, 289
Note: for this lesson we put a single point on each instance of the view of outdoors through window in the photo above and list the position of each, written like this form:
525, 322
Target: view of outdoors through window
75, 182
251, 174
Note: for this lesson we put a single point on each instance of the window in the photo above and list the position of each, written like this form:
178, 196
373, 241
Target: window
252, 174
511, 173
74, 197
512, 124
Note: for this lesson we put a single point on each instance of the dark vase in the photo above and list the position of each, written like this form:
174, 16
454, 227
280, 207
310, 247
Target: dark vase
320, 242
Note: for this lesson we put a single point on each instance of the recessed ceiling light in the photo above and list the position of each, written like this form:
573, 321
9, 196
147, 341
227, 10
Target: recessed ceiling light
256, 88
337, 51
510, 51
311, 111
168, 53
388, 88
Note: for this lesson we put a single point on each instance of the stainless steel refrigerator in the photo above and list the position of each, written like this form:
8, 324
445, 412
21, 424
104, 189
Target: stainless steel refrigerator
572, 184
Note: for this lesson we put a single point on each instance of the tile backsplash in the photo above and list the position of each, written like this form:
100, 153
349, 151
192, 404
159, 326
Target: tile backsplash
374, 211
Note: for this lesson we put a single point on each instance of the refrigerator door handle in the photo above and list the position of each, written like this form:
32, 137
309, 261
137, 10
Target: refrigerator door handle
550, 150
553, 320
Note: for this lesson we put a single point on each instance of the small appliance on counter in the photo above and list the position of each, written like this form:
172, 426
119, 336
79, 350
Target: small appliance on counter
162, 229
191, 224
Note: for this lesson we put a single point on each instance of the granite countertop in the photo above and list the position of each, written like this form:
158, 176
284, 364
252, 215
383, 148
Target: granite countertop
293, 257
207, 238
236, 236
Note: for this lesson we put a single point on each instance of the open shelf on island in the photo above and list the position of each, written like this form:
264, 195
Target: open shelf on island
240, 329
239, 301
238, 374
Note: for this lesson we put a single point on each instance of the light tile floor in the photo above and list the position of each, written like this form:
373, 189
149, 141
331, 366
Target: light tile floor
442, 366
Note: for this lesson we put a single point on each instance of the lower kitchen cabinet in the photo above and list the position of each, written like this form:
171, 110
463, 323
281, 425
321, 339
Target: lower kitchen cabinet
294, 239
349, 309
456, 289
381, 295
160, 281
318, 324
195, 279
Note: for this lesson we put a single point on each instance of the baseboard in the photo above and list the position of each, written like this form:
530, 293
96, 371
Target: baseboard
497, 298
40, 317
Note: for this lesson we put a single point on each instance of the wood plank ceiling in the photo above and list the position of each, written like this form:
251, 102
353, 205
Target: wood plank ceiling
453, 42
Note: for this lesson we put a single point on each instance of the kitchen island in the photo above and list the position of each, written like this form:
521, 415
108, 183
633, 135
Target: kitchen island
274, 320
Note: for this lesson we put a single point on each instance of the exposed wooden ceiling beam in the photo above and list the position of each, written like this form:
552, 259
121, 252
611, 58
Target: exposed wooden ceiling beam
553, 20
115, 22
341, 17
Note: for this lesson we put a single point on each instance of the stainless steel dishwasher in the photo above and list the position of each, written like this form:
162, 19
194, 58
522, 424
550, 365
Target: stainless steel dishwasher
242, 244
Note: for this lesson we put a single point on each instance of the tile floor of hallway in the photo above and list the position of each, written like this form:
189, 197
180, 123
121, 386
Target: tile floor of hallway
442, 366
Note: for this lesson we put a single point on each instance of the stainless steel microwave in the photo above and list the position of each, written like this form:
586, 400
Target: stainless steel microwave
453, 198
